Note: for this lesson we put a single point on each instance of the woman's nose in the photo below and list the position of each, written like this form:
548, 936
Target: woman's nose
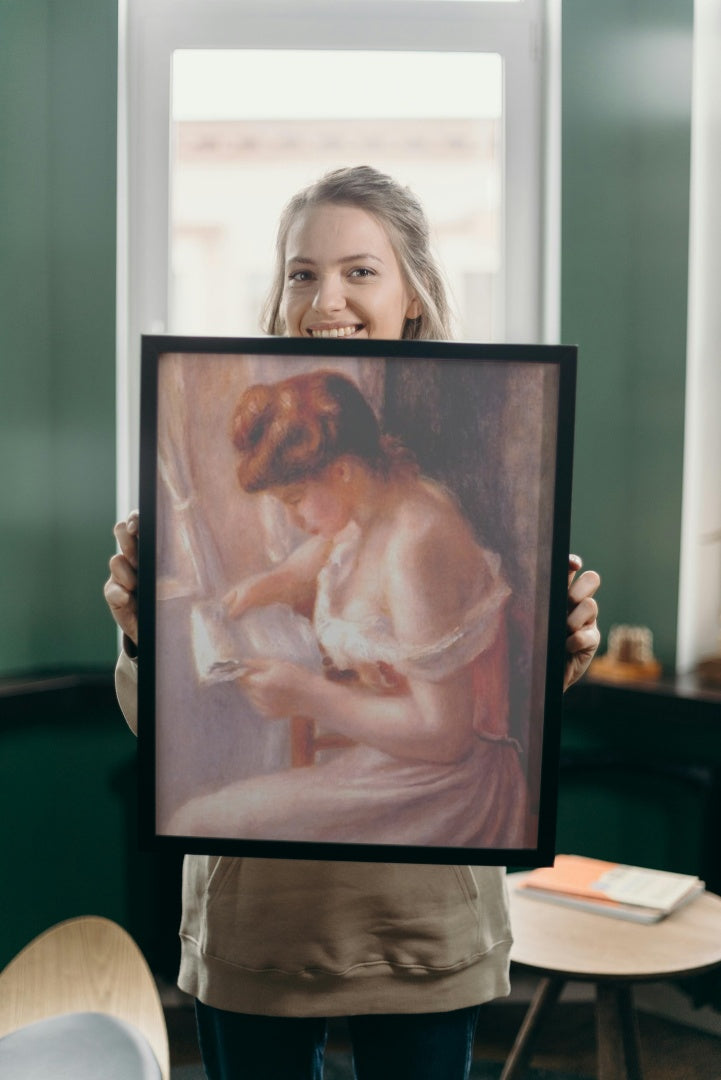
329, 296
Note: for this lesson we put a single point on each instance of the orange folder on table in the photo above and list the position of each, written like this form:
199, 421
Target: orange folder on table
609, 888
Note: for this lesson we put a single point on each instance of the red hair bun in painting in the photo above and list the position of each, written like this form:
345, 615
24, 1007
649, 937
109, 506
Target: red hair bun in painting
293, 430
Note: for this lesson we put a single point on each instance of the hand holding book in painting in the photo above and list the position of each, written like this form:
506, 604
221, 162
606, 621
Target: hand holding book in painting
291, 582
224, 648
280, 688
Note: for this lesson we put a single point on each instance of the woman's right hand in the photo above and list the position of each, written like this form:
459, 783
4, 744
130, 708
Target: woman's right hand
121, 587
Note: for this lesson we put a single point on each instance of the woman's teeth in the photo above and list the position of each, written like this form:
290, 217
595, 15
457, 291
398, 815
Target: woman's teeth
336, 331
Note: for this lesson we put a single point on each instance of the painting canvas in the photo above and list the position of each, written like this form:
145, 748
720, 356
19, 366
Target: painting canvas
352, 597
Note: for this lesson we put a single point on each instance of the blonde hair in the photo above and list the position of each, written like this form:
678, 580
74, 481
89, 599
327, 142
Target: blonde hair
402, 216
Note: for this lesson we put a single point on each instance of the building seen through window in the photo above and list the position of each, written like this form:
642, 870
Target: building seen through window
233, 169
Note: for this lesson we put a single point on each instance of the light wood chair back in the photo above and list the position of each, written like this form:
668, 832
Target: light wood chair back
87, 964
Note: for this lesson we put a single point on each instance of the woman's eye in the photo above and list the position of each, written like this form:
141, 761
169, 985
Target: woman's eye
300, 276
362, 272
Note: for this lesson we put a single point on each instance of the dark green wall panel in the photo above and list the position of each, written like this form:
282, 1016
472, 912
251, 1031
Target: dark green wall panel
58, 78
68, 799
626, 145
61, 788
25, 401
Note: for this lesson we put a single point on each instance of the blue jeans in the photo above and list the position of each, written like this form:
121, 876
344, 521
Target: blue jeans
415, 1046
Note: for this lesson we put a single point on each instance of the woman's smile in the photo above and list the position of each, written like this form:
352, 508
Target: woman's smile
335, 331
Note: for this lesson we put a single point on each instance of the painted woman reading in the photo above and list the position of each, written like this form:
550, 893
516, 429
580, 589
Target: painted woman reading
409, 611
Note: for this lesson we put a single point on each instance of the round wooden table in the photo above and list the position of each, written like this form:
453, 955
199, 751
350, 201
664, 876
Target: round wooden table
563, 944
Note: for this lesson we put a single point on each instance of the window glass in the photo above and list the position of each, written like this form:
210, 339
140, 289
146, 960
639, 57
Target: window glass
251, 127
257, 98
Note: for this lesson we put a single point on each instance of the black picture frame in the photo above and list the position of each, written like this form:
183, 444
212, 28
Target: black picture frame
491, 426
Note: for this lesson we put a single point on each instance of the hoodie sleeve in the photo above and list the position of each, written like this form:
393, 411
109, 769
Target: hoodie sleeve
126, 688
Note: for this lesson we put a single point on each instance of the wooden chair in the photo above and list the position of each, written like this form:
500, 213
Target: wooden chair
86, 967
306, 741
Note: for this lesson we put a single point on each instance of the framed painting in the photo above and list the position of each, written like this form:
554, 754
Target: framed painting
352, 597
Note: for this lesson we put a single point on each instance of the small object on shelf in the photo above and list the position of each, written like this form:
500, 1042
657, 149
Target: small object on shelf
629, 657
634, 893
708, 671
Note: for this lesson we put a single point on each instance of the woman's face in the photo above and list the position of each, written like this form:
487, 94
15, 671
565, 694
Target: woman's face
322, 506
342, 277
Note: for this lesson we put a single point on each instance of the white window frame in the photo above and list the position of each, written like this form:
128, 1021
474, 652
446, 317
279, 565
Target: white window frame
699, 597
526, 34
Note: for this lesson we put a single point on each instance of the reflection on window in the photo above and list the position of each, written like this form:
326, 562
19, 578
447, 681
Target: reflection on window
251, 128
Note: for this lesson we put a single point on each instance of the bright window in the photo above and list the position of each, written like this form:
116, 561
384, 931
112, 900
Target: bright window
227, 107
236, 160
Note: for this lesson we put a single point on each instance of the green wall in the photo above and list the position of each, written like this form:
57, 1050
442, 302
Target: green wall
58, 71
626, 146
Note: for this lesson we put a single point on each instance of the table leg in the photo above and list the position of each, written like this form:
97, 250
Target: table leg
617, 1033
545, 997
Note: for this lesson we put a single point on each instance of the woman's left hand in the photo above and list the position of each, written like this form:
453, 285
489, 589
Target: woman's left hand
582, 633
279, 688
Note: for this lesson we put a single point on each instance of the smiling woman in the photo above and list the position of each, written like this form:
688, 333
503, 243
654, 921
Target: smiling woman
353, 259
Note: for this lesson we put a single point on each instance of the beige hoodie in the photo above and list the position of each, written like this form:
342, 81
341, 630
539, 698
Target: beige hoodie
284, 937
